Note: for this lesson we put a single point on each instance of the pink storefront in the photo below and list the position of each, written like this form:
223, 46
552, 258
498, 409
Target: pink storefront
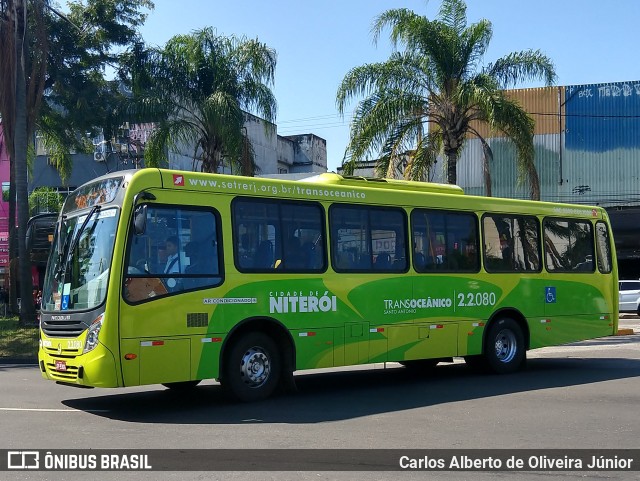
4, 210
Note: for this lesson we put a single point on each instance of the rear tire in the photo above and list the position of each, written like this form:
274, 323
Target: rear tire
252, 368
504, 348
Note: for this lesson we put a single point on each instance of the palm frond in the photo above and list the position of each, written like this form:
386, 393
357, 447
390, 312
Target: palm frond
519, 66
400, 20
424, 157
198, 85
453, 14
437, 79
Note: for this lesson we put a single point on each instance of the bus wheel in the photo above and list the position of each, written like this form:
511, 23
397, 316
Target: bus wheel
181, 386
252, 368
504, 348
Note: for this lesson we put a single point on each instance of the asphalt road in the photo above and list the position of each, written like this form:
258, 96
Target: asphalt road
584, 395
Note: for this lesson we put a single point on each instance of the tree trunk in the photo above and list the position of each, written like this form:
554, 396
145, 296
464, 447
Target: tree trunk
452, 164
27, 307
13, 241
534, 182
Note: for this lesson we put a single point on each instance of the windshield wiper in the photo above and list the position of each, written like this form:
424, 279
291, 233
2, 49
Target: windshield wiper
75, 240
60, 246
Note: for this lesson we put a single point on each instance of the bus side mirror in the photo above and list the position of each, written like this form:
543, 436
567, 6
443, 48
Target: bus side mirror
140, 219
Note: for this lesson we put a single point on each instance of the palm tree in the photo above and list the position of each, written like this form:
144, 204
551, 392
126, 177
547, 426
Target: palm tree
196, 90
438, 79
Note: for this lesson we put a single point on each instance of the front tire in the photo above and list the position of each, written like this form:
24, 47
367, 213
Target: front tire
252, 368
504, 347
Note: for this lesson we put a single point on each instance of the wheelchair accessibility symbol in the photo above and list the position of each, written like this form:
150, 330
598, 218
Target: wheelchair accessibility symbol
550, 295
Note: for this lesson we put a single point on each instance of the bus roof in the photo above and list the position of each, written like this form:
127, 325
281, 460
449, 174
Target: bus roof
378, 183
331, 186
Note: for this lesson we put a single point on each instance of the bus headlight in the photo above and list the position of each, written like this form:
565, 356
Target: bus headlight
92, 334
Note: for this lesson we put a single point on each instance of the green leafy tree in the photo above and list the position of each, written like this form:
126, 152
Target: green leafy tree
42, 51
45, 199
81, 101
438, 79
196, 91
19, 102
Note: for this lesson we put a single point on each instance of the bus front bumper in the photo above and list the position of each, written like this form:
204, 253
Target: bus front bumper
93, 369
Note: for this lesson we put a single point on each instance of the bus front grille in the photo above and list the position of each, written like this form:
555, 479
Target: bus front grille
62, 353
63, 328
69, 375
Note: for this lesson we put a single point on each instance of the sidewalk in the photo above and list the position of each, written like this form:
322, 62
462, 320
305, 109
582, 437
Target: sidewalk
628, 324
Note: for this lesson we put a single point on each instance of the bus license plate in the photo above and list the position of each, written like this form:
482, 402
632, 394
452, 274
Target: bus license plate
61, 365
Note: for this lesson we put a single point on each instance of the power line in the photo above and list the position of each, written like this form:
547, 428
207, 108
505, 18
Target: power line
596, 116
317, 117
307, 127
295, 125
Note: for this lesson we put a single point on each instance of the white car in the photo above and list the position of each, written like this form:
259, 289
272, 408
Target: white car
629, 296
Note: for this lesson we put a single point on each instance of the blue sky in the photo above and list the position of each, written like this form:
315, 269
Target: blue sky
319, 41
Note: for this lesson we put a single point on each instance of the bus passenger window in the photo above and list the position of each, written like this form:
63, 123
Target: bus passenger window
569, 245
177, 252
368, 239
280, 235
511, 243
444, 241
603, 244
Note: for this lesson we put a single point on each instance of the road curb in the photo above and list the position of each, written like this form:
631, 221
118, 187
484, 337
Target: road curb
625, 332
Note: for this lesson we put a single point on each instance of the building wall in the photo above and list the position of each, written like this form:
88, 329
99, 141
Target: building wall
603, 141
264, 139
587, 151
587, 144
310, 153
274, 155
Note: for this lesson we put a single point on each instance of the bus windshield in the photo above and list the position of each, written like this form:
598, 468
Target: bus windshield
78, 267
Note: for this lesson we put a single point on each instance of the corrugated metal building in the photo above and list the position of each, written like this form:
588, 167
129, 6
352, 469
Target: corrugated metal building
587, 151
587, 143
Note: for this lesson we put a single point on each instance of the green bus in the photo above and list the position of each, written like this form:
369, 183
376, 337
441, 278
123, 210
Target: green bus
167, 277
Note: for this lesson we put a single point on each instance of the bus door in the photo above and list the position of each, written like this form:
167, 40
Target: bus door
577, 298
172, 265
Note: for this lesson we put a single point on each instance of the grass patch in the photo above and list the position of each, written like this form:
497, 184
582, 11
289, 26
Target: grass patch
18, 342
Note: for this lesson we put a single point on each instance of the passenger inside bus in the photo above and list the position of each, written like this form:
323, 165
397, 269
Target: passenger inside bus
263, 258
293, 254
383, 261
173, 255
202, 260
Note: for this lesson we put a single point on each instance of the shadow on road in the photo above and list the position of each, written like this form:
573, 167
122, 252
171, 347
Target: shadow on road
340, 395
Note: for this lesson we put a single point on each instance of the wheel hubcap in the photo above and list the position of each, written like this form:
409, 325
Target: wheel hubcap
506, 346
255, 367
